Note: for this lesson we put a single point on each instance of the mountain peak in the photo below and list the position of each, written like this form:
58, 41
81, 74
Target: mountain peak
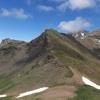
80, 34
50, 31
45, 36
10, 41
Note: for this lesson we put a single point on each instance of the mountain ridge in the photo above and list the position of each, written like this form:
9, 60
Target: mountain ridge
10, 41
52, 59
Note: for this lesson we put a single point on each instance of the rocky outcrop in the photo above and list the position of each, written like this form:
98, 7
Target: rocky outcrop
10, 41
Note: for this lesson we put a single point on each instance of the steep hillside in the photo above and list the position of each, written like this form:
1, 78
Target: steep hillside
53, 59
92, 42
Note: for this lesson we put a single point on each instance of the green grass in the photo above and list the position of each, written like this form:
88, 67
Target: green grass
57, 84
87, 93
7, 98
5, 84
66, 59
69, 74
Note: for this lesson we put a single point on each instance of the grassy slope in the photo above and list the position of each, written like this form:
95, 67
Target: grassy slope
5, 85
87, 93
72, 53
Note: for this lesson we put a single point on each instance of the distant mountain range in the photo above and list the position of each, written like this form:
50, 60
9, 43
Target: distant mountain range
92, 41
55, 60
10, 41
80, 34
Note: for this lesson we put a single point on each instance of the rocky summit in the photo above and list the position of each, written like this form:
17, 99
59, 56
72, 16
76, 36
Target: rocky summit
10, 41
80, 34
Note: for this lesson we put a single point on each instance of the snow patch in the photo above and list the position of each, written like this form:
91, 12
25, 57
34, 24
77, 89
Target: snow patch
32, 92
83, 35
90, 83
76, 35
0, 41
97, 40
2, 96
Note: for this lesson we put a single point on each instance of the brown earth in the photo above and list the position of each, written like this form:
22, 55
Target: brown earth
58, 93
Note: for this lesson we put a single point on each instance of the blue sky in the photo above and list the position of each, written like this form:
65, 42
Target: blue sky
27, 19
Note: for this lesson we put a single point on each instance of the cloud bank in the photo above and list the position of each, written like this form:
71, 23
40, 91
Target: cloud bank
17, 13
74, 25
76, 4
45, 8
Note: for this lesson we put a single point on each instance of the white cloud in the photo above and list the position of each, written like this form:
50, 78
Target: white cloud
29, 2
57, 0
74, 25
81, 4
76, 4
45, 8
63, 7
17, 13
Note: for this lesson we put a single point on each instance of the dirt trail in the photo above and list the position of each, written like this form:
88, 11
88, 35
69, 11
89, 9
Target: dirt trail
58, 93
